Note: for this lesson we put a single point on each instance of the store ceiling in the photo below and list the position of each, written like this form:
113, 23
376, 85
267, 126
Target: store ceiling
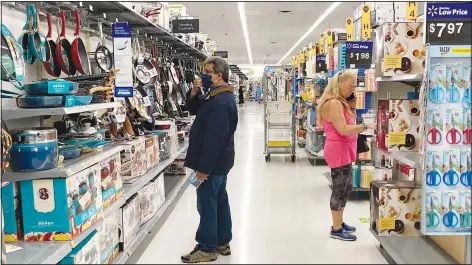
266, 24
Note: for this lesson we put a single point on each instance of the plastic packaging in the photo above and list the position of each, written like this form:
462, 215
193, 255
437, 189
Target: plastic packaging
194, 181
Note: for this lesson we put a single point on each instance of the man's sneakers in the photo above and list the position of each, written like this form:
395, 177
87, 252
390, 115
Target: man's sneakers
345, 233
197, 256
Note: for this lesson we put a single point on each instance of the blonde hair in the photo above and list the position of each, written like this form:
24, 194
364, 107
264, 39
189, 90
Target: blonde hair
332, 91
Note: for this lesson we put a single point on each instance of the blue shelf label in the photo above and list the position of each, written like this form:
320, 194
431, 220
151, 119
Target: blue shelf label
121, 30
359, 46
123, 91
448, 11
122, 53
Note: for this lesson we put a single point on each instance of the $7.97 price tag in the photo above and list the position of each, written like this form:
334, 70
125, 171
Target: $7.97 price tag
449, 32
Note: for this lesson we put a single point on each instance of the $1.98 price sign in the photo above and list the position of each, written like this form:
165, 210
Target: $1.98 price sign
358, 54
449, 32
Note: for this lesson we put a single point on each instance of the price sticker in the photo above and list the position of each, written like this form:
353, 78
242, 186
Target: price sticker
358, 53
386, 223
395, 138
449, 32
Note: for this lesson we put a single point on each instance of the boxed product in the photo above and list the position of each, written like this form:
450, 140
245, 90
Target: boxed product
152, 148
404, 125
109, 238
159, 190
110, 173
177, 166
11, 206
381, 16
147, 206
86, 252
395, 208
60, 209
133, 159
164, 148
404, 52
465, 208
128, 221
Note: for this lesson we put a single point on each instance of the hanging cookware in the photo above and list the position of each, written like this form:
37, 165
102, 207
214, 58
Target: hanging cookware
13, 65
102, 54
51, 65
40, 46
144, 71
63, 49
34, 149
79, 53
26, 37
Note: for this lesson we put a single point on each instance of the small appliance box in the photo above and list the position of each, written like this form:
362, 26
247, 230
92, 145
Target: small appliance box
60, 209
110, 172
404, 125
128, 221
395, 208
177, 166
164, 146
152, 151
109, 239
159, 190
403, 49
86, 252
12, 212
133, 159
147, 206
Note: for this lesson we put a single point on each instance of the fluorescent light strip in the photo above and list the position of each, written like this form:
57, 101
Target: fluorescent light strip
311, 29
242, 17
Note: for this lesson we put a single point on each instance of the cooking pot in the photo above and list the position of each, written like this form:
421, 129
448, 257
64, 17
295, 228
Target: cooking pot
34, 149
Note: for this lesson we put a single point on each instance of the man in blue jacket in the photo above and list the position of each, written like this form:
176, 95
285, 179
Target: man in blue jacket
211, 154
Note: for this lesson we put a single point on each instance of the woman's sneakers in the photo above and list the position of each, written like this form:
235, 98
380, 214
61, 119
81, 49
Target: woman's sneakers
342, 234
348, 228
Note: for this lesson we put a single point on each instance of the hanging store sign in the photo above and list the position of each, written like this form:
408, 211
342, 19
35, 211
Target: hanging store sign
365, 22
350, 29
122, 54
448, 23
321, 43
321, 63
358, 53
185, 26
329, 39
341, 37
222, 54
411, 10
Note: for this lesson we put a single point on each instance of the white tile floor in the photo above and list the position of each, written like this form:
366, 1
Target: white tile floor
280, 211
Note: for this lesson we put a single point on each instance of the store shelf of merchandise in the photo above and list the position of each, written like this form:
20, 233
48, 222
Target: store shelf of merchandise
354, 189
149, 225
130, 189
404, 78
47, 252
411, 159
67, 168
13, 112
413, 250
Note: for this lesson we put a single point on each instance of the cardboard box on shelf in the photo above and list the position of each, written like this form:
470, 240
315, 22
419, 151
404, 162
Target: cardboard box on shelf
133, 159
128, 221
382, 6
109, 238
110, 173
12, 218
159, 190
147, 205
404, 123
86, 252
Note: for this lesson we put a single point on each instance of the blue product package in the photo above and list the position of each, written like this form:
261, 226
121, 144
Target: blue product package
86, 252
11, 213
194, 181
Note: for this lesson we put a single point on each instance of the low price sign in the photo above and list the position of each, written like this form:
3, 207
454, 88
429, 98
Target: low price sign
448, 23
321, 63
358, 53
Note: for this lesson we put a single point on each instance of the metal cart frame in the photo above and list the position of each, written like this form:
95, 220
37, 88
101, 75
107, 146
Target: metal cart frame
269, 146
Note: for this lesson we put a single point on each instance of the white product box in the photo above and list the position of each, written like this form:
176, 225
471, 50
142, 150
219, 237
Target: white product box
382, 6
159, 190
147, 207
109, 238
400, 6
380, 16
128, 224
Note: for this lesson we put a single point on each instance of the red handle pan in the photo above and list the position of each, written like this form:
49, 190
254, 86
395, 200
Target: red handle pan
63, 50
51, 66
79, 53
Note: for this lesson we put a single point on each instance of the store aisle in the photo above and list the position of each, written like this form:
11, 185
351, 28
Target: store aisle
280, 211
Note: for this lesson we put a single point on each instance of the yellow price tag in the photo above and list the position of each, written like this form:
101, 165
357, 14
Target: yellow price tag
412, 10
392, 61
365, 22
321, 43
396, 138
329, 39
386, 223
350, 29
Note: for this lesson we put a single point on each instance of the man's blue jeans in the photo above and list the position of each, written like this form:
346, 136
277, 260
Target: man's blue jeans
215, 215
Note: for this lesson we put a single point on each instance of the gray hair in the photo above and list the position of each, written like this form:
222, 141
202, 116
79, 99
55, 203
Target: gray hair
220, 65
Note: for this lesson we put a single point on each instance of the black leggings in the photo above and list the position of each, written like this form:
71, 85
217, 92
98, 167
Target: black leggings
342, 186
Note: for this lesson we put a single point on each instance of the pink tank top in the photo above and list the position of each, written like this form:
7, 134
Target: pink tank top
340, 150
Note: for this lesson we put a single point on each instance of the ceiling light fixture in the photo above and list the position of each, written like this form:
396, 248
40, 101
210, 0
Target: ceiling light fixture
242, 17
311, 29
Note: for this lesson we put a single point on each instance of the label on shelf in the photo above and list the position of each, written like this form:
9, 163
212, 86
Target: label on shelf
386, 223
392, 61
395, 138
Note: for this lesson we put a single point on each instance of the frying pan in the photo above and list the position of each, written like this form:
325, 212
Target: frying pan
63, 50
12, 60
79, 53
143, 69
39, 44
50, 65
102, 54
27, 37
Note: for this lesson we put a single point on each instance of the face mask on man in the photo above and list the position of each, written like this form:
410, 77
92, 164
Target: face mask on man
206, 80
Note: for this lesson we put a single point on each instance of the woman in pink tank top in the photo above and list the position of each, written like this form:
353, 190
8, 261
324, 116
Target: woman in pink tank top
336, 114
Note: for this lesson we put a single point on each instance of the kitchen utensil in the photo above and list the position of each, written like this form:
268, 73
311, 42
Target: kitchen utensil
433, 217
466, 216
466, 175
51, 87
436, 94
467, 131
70, 151
79, 53
410, 142
40, 45
433, 178
451, 177
26, 38
466, 99
450, 219
64, 50
34, 149
51, 65
144, 70
33, 102
453, 136
102, 54
453, 93
434, 135
12, 60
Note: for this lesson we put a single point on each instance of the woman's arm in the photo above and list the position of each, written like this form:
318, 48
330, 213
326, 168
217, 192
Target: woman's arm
335, 111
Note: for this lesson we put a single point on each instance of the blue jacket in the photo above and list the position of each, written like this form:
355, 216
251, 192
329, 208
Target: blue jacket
211, 143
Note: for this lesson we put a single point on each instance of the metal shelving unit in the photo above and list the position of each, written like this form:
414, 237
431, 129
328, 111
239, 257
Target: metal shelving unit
411, 159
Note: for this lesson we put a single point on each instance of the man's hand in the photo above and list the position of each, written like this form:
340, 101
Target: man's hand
202, 176
197, 85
